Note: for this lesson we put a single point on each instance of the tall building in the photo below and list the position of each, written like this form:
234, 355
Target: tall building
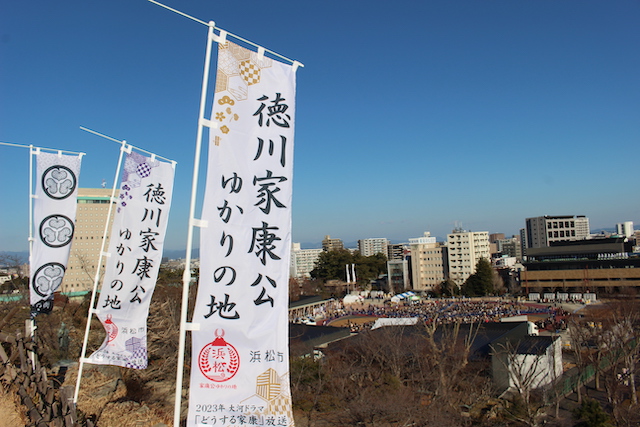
397, 251
329, 244
398, 275
428, 262
625, 229
303, 260
465, 248
369, 247
91, 217
511, 247
494, 237
541, 231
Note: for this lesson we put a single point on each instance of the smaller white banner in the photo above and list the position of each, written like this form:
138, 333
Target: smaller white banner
135, 253
54, 217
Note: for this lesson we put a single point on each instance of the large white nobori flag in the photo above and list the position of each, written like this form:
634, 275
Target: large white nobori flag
135, 253
54, 217
240, 357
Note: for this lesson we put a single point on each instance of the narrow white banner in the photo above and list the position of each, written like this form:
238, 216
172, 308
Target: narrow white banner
135, 254
54, 217
240, 356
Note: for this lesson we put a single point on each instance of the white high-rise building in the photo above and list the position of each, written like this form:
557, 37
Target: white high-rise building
369, 247
428, 262
625, 229
465, 248
303, 260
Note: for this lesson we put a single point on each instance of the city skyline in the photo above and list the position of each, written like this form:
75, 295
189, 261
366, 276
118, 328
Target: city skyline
411, 117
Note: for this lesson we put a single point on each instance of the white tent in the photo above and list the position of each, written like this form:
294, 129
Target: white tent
394, 321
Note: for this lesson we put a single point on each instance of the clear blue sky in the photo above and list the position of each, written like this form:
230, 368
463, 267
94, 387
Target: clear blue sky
411, 115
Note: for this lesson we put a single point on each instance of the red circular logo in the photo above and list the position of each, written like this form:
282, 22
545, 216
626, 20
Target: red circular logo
111, 328
219, 361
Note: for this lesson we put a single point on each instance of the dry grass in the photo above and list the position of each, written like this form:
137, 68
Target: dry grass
11, 414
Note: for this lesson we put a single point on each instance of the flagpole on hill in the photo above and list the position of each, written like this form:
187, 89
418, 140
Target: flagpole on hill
96, 279
186, 278
193, 221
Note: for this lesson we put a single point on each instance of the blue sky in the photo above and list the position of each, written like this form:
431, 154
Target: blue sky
412, 116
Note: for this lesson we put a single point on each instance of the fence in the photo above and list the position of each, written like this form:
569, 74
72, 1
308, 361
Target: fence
45, 402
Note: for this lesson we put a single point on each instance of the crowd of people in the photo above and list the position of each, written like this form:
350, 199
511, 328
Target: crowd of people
442, 311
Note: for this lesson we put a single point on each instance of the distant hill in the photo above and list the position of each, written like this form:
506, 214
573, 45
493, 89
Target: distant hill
180, 253
22, 256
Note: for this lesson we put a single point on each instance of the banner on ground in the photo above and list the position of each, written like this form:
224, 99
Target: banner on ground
54, 217
240, 357
134, 257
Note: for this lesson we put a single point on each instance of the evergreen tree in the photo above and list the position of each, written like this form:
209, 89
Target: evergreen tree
331, 265
591, 414
480, 283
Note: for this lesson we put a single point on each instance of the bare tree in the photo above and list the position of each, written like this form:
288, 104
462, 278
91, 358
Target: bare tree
85, 264
580, 335
448, 351
13, 263
528, 365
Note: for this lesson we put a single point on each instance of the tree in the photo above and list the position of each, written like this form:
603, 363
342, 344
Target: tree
591, 414
449, 288
448, 353
332, 265
481, 282
370, 267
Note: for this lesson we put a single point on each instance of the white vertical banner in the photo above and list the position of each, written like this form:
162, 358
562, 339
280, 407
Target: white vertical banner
240, 356
54, 217
134, 257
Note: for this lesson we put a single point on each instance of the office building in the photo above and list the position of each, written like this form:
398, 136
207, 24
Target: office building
625, 229
398, 275
428, 262
511, 247
91, 217
541, 231
602, 265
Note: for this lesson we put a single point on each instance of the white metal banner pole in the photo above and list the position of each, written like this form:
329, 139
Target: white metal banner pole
96, 279
32, 156
186, 277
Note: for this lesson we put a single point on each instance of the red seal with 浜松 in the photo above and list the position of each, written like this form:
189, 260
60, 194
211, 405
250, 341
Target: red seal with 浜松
111, 328
219, 361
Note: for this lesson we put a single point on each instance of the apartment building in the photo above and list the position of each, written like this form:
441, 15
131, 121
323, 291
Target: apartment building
329, 244
303, 260
397, 251
465, 248
91, 217
372, 246
428, 262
